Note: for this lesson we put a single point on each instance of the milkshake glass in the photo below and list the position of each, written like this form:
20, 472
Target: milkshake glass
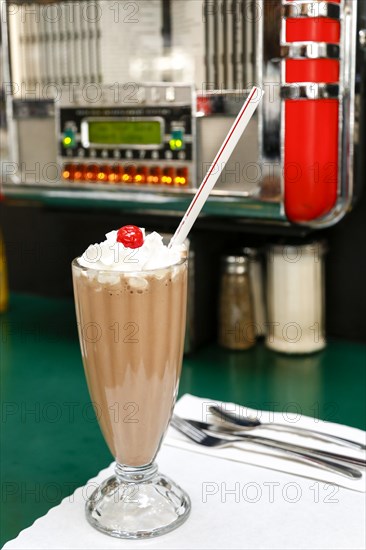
131, 330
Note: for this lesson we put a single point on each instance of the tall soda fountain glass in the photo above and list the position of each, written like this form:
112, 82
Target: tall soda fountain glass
131, 329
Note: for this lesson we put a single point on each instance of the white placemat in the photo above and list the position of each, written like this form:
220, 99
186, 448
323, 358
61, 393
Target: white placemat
196, 408
234, 505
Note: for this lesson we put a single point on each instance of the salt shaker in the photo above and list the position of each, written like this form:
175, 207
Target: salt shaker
257, 285
295, 297
236, 322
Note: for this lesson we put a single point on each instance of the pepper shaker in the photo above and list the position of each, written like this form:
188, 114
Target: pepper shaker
236, 321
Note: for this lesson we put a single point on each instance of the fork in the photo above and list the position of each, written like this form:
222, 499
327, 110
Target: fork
199, 436
219, 429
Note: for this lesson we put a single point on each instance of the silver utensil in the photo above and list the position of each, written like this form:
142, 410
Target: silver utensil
202, 438
246, 422
220, 429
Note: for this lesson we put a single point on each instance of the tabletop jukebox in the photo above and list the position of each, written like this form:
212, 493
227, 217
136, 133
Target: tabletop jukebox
138, 96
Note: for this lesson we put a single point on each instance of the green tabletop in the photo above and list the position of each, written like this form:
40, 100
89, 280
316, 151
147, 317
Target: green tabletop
51, 442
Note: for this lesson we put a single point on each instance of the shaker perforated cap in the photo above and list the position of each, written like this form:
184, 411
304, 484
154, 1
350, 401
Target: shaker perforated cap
234, 264
251, 252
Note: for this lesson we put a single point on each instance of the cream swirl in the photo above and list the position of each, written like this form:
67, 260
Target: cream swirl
111, 255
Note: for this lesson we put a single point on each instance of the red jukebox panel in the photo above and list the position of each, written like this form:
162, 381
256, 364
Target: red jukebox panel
311, 114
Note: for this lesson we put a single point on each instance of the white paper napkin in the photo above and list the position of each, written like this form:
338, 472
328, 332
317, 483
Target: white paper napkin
196, 408
235, 505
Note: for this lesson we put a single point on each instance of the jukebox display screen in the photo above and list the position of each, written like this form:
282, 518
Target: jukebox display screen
135, 133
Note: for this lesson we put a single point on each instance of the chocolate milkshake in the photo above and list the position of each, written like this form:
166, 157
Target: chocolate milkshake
131, 329
130, 296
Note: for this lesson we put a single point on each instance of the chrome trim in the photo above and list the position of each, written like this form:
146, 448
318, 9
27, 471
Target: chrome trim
13, 149
311, 9
110, 96
362, 38
310, 90
269, 112
311, 50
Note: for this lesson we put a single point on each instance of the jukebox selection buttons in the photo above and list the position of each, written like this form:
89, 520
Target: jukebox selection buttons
175, 148
126, 174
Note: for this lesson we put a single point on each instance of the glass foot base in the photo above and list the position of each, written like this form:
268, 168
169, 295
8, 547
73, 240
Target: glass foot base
137, 503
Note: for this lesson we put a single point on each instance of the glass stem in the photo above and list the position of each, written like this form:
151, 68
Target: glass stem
136, 474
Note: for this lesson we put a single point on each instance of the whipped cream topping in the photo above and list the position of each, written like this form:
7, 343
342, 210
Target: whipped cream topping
111, 255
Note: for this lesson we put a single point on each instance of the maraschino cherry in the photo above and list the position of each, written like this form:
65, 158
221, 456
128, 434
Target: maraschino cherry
130, 236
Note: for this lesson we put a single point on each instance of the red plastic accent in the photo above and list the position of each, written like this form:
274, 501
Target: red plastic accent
312, 70
317, 29
204, 105
311, 158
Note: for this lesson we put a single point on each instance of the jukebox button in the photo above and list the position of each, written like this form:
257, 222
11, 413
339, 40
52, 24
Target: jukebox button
154, 176
91, 172
115, 173
129, 174
168, 176
176, 141
69, 138
68, 172
155, 94
170, 94
181, 178
103, 172
141, 175
79, 172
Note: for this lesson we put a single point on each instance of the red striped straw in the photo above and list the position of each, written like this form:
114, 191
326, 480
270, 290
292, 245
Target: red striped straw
214, 172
